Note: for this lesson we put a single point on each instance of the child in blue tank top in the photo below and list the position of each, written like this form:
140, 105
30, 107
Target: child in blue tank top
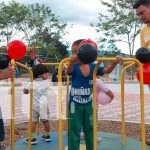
80, 112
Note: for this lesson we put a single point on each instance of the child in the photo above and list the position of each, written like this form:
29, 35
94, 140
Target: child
40, 107
55, 76
101, 88
80, 112
6, 72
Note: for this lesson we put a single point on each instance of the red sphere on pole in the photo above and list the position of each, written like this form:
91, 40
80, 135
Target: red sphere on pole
146, 73
16, 49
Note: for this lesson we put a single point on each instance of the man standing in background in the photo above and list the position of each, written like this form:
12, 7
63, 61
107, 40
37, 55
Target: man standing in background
143, 12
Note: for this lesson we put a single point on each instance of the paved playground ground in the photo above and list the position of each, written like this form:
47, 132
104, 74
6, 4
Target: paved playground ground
109, 116
111, 111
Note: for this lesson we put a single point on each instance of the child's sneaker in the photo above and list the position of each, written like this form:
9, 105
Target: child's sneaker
82, 137
99, 139
46, 138
148, 142
33, 141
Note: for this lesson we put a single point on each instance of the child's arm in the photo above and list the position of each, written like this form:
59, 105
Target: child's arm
110, 94
111, 67
70, 65
10, 72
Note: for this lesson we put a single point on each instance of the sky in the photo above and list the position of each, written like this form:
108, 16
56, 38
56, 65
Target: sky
79, 13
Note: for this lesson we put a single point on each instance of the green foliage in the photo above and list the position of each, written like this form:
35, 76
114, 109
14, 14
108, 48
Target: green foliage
119, 24
11, 15
108, 50
37, 25
47, 29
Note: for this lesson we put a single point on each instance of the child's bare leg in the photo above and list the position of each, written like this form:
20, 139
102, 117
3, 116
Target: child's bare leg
34, 127
33, 134
46, 136
46, 126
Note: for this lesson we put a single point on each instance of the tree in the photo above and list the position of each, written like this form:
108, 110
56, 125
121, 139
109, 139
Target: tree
11, 15
43, 28
119, 24
108, 50
36, 24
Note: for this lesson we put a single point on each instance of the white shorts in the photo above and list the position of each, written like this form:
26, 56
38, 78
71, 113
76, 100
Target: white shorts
40, 111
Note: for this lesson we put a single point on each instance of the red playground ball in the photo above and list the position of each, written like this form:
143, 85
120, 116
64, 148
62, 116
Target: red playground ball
16, 49
146, 73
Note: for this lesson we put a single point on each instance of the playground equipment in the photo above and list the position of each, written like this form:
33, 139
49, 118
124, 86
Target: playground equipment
16, 49
143, 55
131, 62
110, 141
35, 56
146, 73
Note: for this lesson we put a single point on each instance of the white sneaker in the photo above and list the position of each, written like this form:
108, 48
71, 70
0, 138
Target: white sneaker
99, 139
82, 137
